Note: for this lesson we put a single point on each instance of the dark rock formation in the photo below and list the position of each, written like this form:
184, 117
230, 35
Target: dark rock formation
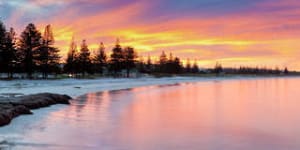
13, 107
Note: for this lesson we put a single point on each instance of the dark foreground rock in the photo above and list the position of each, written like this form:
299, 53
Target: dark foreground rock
13, 107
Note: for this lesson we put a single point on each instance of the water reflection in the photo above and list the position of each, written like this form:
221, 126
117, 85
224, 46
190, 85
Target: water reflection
243, 114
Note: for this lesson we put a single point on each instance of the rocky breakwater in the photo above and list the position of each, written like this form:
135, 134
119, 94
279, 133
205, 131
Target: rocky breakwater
15, 106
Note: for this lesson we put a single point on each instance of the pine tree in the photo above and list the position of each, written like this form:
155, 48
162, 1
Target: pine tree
47, 56
140, 65
171, 57
277, 70
149, 64
195, 68
84, 59
286, 70
29, 43
71, 61
188, 67
176, 66
163, 62
100, 58
218, 68
117, 58
9, 58
163, 58
170, 65
2, 46
129, 59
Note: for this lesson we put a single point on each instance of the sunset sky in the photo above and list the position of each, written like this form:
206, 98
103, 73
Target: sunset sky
232, 32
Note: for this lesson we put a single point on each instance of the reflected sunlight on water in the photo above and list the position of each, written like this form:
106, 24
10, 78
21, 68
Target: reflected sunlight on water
243, 114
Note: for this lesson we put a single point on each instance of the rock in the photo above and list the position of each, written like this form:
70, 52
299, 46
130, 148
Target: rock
13, 107
8, 112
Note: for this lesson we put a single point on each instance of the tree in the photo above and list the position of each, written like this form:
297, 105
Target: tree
188, 67
2, 46
170, 66
218, 68
84, 59
149, 64
163, 58
70, 66
286, 70
2, 35
163, 62
47, 55
29, 43
277, 70
176, 65
170, 57
129, 59
100, 58
195, 68
117, 58
140, 65
8, 53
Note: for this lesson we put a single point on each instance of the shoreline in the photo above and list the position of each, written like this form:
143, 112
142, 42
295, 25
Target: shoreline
11, 108
77, 87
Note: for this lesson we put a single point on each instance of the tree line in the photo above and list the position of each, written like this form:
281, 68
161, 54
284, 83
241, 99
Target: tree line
81, 62
34, 52
250, 70
121, 61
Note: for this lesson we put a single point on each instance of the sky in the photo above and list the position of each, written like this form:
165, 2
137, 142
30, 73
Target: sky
232, 32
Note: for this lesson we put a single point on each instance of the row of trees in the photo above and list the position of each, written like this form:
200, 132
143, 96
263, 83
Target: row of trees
82, 62
121, 59
250, 70
31, 52
167, 64
35, 52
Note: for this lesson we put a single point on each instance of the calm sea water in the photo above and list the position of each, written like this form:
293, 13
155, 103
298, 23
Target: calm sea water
240, 114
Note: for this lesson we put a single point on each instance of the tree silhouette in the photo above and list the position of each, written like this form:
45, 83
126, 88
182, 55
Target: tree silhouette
47, 56
129, 59
149, 65
117, 58
29, 42
2, 46
8, 53
5, 49
218, 68
100, 59
141, 65
71, 61
195, 68
286, 70
163, 62
171, 57
84, 59
176, 66
188, 67
163, 58
277, 70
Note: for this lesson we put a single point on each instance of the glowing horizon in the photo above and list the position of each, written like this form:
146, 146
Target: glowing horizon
232, 32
